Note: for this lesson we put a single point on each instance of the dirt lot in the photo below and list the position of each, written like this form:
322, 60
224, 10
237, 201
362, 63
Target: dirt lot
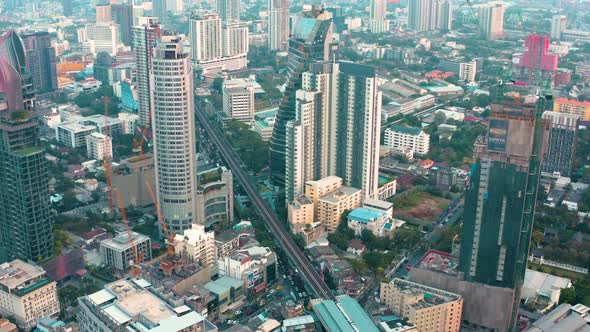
419, 206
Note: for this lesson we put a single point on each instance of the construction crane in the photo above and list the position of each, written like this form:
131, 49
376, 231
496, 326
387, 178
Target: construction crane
107, 155
136, 257
169, 263
169, 236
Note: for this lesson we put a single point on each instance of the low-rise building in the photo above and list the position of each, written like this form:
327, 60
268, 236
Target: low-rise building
572, 106
299, 324
430, 309
255, 266
331, 206
541, 291
238, 99
27, 294
228, 292
563, 318
376, 221
131, 177
129, 304
300, 213
264, 128
344, 314
407, 137
99, 146
197, 245
129, 122
73, 134
118, 251
114, 126
387, 187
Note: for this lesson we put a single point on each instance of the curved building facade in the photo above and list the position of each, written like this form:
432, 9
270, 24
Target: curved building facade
310, 41
173, 124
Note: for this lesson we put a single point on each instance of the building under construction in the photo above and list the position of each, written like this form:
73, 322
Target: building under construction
498, 215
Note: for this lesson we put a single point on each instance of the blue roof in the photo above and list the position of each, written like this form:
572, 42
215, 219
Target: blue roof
331, 317
357, 314
365, 215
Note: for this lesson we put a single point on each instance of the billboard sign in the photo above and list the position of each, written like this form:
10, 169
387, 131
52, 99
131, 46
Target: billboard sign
497, 135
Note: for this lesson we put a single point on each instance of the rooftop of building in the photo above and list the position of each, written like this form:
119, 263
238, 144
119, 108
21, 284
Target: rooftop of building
574, 102
99, 119
195, 235
431, 296
75, 126
301, 200
365, 215
128, 301
325, 181
405, 130
21, 275
340, 194
223, 284
345, 315
439, 261
544, 283
396, 324
376, 203
298, 321
562, 318
121, 240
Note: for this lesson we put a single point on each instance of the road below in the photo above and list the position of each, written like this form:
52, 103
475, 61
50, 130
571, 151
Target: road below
302, 263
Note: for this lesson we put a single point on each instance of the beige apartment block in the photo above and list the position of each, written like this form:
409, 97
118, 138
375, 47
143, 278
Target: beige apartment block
429, 309
329, 208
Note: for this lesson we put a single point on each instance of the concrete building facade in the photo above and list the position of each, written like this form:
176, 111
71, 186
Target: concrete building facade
27, 294
562, 142
428, 308
118, 251
278, 25
99, 146
197, 245
144, 38
399, 137
331, 206
173, 126
491, 21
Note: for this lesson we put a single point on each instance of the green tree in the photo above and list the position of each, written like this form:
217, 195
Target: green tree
83, 100
218, 84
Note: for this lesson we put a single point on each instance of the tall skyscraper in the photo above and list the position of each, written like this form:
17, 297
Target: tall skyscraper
229, 10
103, 13
144, 39
378, 23
160, 9
558, 24
336, 130
500, 199
310, 41
205, 37
278, 25
123, 15
427, 15
67, 6
25, 220
491, 21
358, 128
536, 65
41, 61
216, 46
12, 51
173, 126
234, 37
562, 142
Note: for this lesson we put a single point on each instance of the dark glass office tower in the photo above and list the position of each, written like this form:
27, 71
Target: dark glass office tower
500, 199
40, 61
310, 41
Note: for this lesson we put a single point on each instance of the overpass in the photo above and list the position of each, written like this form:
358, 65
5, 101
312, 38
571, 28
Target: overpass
302, 263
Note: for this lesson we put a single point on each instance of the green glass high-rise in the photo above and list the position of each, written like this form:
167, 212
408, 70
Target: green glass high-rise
25, 219
500, 199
